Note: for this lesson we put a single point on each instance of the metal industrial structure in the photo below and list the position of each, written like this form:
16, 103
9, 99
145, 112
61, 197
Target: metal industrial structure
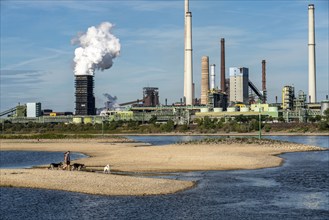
84, 95
288, 95
150, 96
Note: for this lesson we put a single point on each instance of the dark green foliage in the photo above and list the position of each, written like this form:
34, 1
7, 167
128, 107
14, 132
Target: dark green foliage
183, 128
267, 127
168, 127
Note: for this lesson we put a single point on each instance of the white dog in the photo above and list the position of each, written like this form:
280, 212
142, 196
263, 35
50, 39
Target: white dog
107, 168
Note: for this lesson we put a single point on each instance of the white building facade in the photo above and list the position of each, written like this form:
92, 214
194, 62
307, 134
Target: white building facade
239, 78
33, 109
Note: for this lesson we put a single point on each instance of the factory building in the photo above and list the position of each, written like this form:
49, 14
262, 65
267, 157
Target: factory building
150, 97
33, 109
217, 100
84, 95
239, 78
288, 95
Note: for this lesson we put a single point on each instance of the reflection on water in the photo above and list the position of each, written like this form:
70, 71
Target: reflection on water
297, 190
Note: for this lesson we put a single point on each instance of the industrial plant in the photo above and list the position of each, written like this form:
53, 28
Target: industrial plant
221, 96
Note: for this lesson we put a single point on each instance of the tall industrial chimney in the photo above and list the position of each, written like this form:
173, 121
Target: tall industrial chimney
204, 80
212, 77
311, 55
264, 81
222, 65
84, 95
188, 70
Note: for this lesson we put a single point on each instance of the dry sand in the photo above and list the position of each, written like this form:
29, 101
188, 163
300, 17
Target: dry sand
136, 157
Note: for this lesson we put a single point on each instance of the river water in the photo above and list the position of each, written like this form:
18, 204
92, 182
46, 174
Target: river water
297, 190
27, 159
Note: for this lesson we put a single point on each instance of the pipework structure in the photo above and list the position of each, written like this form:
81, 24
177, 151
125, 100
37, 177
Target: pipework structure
311, 55
188, 62
84, 95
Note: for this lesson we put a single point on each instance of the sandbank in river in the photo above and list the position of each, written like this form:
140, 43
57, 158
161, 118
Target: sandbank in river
139, 158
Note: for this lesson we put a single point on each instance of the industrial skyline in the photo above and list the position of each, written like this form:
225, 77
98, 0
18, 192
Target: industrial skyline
36, 56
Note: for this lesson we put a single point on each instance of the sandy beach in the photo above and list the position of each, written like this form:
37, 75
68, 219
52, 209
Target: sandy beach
139, 157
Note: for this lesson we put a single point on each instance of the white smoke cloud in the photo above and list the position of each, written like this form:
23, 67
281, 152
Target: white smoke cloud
98, 48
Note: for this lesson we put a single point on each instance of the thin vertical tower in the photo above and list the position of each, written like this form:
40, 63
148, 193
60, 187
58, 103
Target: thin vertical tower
188, 70
212, 77
204, 80
264, 81
311, 56
222, 65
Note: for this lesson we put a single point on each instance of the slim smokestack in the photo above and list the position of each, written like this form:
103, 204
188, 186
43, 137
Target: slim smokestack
193, 94
264, 81
222, 65
188, 70
263, 75
311, 55
212, 76
204, 80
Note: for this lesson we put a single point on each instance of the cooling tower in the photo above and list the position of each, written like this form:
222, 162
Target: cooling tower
204, 80
84, 95
311, 55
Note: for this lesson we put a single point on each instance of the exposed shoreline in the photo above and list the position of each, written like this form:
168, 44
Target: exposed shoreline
139, 158
233, 134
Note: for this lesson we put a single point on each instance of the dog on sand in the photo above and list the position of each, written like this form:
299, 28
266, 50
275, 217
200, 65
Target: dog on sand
77, 166
107, 168
55, 165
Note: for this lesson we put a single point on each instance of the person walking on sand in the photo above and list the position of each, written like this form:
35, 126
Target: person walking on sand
67, 160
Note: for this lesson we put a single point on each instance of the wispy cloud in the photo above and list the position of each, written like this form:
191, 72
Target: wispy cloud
12, 78
30, 61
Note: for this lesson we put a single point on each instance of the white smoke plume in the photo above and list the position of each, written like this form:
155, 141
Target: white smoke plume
98, 48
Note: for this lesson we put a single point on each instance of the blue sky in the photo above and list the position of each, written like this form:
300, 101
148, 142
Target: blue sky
37, 54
